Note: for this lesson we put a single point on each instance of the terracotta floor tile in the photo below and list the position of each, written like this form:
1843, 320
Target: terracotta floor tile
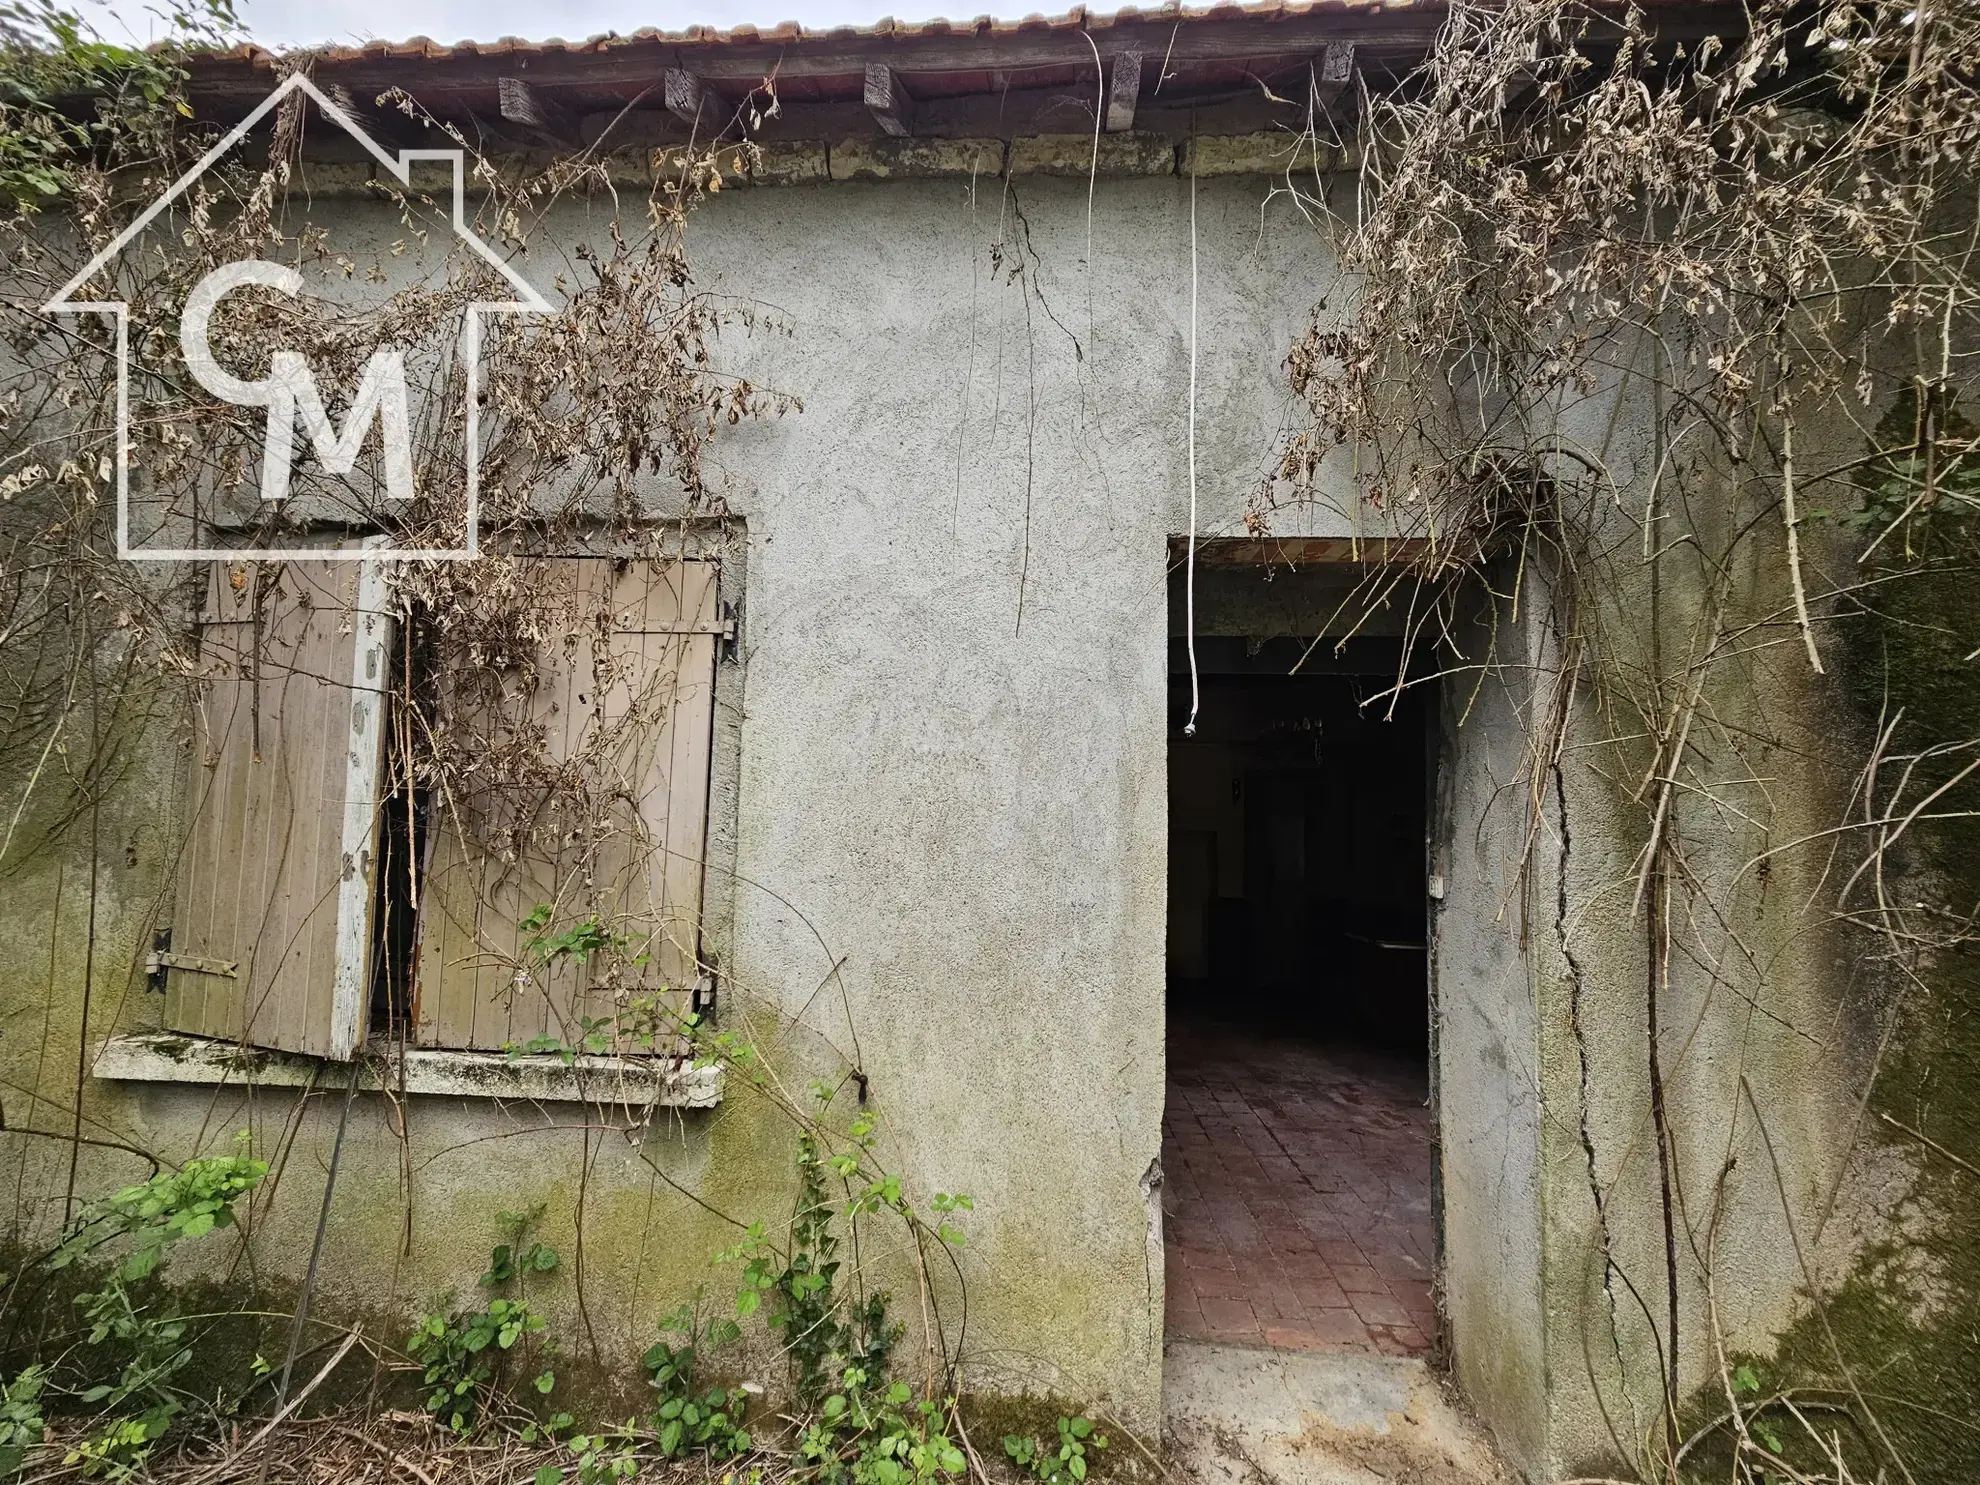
1339, 1330
1275, 1307
1297, 1203
1379, 1309
1395, 1261
1293, 1338
1229, 1320
1321, 1294
1305, 1266
1358, 1278
1398, 1340
1221, 1283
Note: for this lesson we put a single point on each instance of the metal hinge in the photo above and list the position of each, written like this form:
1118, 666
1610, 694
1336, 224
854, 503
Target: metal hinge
732, 639
702, 996
722, 628
158, 962
154, 972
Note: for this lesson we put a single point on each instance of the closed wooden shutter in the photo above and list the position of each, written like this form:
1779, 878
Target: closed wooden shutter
618, 718
271, 940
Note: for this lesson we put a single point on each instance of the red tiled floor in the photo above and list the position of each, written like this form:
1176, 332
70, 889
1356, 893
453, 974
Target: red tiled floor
1296, 1204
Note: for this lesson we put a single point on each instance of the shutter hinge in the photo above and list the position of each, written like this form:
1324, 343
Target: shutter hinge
154, 972
701, 999
731, 641
162, 959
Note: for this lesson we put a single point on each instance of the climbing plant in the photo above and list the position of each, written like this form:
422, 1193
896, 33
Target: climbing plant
469, 1354
1656, 338
130, 1343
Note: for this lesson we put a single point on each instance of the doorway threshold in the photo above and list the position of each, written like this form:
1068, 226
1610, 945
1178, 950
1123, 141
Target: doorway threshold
1238, 1415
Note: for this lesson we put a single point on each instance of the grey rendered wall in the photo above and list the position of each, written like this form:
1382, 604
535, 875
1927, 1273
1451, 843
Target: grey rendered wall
1487, 1070
1559, 1275
954, 758
947, 809
948, 799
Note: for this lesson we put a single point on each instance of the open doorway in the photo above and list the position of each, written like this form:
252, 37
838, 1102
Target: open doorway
1298, 1141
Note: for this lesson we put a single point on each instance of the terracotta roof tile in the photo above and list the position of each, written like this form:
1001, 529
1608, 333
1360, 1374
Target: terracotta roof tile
424, 48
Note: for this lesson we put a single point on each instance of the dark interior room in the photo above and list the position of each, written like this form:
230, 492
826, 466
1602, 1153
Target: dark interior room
1298, 1139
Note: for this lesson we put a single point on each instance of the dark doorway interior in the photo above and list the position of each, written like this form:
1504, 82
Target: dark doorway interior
1298, 1142
1296, 855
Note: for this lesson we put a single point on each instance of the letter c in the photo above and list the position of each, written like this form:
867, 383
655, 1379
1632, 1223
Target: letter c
200, 303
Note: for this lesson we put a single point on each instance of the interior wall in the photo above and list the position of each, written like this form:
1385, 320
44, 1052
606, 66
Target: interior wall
1297, 847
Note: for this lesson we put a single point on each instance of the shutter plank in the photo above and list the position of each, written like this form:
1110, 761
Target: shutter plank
216, 791
354, 781
262, 882
207, 913
321, 772
579, 703
683, 812
301, 872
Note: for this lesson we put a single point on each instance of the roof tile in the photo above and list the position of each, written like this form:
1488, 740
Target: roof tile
792, 33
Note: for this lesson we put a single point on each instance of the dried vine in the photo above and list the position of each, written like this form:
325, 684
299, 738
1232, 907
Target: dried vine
1668, 339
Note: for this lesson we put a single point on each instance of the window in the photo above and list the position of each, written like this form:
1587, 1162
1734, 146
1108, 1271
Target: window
373, 818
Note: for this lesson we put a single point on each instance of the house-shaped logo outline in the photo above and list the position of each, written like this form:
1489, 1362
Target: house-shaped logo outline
527, 301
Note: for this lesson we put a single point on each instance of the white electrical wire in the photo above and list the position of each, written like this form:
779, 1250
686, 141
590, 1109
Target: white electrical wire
1189, 566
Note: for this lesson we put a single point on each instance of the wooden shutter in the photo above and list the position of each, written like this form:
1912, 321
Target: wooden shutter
622, 703
271, 925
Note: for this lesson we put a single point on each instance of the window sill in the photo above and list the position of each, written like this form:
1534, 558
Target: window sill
166, 1057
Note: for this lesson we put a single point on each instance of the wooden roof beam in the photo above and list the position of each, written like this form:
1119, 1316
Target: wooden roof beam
1335, 75
888, 101
686, 97
538, 113
1124, 91
387, 126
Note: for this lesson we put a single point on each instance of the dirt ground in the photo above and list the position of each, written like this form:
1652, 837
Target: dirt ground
1242, 1416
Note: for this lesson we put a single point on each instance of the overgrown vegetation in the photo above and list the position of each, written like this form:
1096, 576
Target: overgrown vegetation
1078, 1444
1660, 340
689, 1418
483, 1371
68, 95
119, 1362
467, 1354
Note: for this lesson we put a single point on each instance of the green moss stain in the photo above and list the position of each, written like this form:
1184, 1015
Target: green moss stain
1903, 1330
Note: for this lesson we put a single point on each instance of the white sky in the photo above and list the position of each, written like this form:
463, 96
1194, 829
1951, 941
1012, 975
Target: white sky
305, 22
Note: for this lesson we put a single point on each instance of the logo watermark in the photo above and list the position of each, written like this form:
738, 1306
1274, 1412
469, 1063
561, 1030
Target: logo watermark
289, 392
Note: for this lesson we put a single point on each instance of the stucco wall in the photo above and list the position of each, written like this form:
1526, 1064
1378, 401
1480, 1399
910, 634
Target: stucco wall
1552, 972
948, 806
940, 843
1487, 1074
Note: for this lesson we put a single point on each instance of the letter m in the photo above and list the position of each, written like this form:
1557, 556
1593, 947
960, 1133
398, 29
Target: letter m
381, 395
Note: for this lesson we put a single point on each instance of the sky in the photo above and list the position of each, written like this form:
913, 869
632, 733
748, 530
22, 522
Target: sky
283, 23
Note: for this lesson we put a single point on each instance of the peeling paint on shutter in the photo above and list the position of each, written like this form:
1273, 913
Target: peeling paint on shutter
277, 875
626, 699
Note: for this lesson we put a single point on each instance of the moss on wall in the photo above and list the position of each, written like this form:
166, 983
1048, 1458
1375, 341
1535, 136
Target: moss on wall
1902, 1329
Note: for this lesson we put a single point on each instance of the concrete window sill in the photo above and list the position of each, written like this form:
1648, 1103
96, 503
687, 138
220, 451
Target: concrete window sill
640, 1082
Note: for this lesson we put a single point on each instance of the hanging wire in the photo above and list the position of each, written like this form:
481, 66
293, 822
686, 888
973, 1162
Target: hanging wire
1189, 562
